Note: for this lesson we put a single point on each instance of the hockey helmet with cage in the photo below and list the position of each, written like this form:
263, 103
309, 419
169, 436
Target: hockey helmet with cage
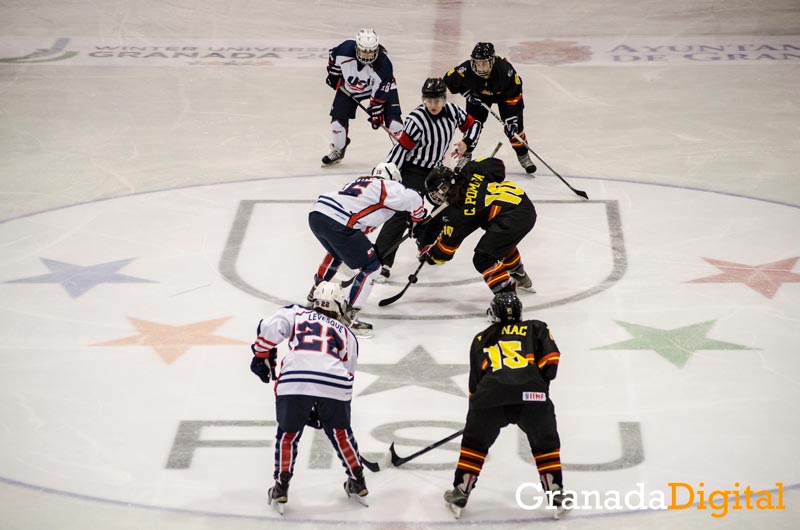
434, 87
505, 308
482, 59
367, 45
387, 170
438, 183
329, 297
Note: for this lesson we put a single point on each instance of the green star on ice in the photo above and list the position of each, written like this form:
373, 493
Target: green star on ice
416, 368
675, 345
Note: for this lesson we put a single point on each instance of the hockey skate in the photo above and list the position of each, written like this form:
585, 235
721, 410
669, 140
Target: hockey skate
278, 494
558, 501
358, 327
526, 163
386, 271
356, 487
455, 500
523, 280
335, 156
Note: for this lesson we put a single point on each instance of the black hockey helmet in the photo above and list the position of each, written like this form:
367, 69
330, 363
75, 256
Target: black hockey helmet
434, 87
438, 183
505, 308
483, 51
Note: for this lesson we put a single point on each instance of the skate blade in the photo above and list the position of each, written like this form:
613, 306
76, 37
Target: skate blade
332, 163
362, 333
456, 510
358, 499
278, 506
559, 513
527, 289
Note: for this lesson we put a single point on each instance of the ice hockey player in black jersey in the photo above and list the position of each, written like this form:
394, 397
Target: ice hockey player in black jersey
479, 197
512, 363
491, 79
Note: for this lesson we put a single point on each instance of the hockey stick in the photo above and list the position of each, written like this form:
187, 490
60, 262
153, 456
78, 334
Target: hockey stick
372, 466
365, 109
439, 209
579, 193
412, 278
398, 461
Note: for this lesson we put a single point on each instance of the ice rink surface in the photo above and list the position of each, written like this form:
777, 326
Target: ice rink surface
158, 159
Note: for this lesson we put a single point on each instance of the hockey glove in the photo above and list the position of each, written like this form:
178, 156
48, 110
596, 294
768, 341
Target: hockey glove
313, 418
376, 114
426, 255
472, 98
334, 81
264, 367
511, 126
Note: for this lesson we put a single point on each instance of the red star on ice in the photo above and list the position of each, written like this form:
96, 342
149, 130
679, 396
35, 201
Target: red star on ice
170, 342
766, 278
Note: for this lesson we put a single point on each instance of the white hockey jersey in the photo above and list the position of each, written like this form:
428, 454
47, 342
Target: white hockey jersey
322, 356
362, 80
368, 202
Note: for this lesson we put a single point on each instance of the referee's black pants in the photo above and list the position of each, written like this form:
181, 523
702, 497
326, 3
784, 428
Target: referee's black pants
392, 230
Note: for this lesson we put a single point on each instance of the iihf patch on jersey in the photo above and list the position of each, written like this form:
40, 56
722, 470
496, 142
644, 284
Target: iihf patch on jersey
534, 396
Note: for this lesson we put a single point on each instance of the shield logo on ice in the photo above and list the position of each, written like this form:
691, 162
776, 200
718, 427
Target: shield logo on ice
271, 254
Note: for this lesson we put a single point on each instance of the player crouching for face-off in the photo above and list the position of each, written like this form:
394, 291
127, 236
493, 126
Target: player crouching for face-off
314, 387
340, 221
478, 196
512, 363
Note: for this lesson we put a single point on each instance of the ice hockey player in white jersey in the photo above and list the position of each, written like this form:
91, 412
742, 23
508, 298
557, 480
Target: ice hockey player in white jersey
361, 67
340, 221
314, 387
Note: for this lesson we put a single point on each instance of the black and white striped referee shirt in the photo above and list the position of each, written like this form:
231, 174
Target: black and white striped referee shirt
425, 138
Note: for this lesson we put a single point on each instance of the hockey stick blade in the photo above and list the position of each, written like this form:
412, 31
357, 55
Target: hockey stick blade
372, 466
398, 461
579, 193
411, 280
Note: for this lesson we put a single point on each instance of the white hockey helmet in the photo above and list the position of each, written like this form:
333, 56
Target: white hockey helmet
387, 170
366, 45
328, 296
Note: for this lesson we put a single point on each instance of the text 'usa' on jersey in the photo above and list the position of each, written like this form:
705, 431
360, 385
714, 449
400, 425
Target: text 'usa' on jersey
503, 86
515, 368
375, 79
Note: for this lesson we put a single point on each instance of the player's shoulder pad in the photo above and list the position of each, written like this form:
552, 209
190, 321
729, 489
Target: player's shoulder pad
490, 167
347, 48
383, 66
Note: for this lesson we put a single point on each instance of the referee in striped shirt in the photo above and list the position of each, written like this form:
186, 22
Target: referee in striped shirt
421, 146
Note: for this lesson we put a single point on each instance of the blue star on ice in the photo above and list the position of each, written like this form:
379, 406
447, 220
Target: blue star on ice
78, 279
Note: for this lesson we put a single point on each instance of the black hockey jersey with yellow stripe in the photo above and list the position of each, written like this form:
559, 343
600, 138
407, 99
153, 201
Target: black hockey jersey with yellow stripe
502, 86
516, 368
489, 198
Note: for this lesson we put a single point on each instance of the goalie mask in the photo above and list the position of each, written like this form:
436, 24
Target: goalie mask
329, 298
387, 170
482, 59
438, 183
367, 45
505, 308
